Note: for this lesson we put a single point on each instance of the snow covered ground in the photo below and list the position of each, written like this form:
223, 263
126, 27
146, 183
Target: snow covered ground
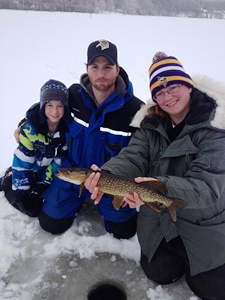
37, 46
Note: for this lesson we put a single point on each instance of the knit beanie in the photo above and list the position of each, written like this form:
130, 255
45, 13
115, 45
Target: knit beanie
54, 90
166, 71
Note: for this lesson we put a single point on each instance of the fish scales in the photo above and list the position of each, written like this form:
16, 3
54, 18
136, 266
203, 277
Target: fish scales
119, 186
151, 192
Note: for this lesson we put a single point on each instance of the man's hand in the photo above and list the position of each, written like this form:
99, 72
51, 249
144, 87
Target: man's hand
16, 134
92, 182
39, 188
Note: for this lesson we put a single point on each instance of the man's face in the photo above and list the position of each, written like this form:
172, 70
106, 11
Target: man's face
102, 74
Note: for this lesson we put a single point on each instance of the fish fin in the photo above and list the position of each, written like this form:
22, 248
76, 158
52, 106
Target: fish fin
117, 202
172, 212
81, 188
153, 205
158, 185
175, 203
179, 203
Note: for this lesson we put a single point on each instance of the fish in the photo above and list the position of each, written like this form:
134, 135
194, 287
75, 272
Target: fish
152, 193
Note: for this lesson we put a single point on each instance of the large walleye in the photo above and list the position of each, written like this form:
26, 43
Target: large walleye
150, 192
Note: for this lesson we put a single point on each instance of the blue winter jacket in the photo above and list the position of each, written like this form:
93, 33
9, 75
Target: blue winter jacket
99, 133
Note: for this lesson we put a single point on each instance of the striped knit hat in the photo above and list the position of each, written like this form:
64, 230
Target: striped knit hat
165, 71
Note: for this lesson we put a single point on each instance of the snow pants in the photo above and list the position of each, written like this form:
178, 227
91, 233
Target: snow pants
62, 203
170, 262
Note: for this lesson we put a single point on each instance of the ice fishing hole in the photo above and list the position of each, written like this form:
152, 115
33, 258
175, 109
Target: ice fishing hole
106, 291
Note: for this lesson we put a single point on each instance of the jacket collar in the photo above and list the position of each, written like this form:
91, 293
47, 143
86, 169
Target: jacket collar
208, 104
123, 85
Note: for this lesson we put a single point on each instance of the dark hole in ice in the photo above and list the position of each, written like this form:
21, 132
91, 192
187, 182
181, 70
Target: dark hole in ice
106, 291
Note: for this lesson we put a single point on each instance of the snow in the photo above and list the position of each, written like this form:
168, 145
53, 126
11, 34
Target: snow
37, 46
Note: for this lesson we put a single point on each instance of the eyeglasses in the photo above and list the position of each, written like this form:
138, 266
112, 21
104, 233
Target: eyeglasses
173, 89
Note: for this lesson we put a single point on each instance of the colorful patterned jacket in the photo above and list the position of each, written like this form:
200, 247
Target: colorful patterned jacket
39, 154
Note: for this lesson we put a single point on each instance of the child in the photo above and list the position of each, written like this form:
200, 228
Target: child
40, 151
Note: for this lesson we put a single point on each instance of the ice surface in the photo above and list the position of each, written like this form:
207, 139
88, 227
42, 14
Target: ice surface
42, 266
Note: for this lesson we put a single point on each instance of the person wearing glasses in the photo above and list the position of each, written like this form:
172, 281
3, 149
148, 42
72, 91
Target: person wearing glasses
181, 143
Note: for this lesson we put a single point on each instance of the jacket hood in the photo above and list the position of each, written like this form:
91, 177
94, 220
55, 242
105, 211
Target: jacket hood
123, 84
208, 103
33, 116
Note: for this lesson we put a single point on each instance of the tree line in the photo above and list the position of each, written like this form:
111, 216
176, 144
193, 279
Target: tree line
187, 8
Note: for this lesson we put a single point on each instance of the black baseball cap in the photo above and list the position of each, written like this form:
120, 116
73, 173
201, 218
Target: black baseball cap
102, 48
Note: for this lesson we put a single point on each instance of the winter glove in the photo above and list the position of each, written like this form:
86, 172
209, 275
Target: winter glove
39, 188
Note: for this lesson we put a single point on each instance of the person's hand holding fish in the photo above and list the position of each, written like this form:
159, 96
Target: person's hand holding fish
133, 200
125, 191
91, 183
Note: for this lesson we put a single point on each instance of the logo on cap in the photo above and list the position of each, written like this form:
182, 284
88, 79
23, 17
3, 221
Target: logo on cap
103, 44
102, 48
162, 81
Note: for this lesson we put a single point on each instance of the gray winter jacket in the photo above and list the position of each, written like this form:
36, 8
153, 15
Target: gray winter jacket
193, 169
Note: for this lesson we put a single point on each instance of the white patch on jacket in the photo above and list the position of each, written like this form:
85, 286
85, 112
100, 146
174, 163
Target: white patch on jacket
214, 89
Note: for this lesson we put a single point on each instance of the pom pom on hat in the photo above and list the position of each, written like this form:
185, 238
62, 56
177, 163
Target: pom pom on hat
166, 71
159, 55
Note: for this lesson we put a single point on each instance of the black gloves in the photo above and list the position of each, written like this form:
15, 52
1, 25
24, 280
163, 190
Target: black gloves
39, 188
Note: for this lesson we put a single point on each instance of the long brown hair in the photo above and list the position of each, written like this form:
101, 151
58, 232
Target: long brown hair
156, 110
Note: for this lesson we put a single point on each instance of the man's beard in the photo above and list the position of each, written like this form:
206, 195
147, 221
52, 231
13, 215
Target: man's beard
103, 86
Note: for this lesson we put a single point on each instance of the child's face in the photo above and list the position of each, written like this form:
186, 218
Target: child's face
54, 111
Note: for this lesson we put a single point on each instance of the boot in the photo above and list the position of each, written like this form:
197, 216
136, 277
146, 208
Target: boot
6, 180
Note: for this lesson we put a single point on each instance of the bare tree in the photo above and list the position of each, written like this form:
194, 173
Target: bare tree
190, 8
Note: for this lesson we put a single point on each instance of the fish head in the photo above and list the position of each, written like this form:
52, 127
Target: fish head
73, 175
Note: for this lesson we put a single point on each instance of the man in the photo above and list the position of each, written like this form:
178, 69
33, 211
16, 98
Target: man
102, 106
